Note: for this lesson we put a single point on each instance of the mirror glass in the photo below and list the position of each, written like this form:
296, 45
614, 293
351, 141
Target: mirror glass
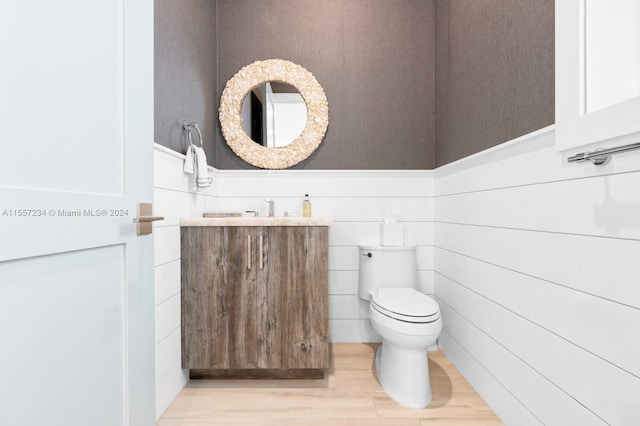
274, 114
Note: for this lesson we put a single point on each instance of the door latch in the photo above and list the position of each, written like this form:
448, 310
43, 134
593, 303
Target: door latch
145, 217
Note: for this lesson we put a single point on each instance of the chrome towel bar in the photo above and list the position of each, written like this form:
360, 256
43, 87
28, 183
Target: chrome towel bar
601, 156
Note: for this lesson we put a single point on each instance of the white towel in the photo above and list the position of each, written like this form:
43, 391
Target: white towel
188, 160
202, 173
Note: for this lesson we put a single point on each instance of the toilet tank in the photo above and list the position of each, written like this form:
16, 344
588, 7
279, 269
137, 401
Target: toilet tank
386, 266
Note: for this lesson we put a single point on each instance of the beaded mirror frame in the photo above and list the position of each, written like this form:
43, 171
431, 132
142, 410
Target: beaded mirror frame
250, 77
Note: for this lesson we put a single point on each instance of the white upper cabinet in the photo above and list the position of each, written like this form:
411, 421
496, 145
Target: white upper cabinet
597, 72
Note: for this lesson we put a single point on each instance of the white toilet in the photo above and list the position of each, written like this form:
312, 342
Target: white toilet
408, 321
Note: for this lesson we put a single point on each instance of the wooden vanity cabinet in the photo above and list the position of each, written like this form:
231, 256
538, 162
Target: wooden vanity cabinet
254, 300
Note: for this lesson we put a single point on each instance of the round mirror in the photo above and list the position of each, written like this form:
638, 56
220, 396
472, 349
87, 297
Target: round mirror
274, 114
252, 77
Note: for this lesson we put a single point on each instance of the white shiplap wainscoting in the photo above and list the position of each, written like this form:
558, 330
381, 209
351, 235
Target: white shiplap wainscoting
175, 196
355, 199
537, 275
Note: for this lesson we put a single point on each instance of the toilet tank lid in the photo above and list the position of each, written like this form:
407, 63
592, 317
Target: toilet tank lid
374, 247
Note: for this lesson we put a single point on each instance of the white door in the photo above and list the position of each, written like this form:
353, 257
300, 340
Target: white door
76, 289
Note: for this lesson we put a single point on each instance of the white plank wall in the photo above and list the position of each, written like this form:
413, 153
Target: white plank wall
537, 277
174, 197
355, 199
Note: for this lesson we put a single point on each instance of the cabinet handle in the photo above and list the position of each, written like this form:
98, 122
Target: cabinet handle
248, 251
260, 252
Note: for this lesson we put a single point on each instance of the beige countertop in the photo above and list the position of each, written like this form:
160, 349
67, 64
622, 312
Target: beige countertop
256, 221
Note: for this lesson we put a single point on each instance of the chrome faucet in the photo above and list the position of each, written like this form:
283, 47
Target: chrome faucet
270, 202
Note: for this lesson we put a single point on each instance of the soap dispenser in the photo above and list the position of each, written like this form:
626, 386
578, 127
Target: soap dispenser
306, 206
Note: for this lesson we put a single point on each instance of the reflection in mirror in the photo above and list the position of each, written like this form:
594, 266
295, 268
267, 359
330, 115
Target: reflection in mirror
274, 114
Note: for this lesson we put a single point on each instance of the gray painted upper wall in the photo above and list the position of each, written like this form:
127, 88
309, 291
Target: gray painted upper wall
374, 59
411, 84
494, 73
185, 72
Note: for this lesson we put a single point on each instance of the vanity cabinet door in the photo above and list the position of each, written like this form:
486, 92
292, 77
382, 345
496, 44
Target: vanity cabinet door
292, 298
218, 297
254, 298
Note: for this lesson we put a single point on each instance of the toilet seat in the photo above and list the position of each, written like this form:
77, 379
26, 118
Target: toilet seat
406, 305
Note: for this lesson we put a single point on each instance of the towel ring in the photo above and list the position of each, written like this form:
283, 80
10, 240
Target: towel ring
190, 126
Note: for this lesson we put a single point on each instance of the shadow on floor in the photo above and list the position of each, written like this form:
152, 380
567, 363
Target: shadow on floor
441, 385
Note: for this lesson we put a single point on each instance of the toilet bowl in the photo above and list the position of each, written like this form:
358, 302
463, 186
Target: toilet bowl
402, 366
407, 320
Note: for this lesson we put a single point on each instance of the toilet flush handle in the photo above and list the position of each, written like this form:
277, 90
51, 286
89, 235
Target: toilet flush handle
367, 254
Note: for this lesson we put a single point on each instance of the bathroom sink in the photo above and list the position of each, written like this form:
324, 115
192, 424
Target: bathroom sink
256, 221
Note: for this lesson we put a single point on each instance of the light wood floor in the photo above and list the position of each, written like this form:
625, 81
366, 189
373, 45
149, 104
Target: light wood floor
349, 395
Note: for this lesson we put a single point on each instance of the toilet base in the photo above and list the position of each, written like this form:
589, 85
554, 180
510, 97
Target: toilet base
404, 374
